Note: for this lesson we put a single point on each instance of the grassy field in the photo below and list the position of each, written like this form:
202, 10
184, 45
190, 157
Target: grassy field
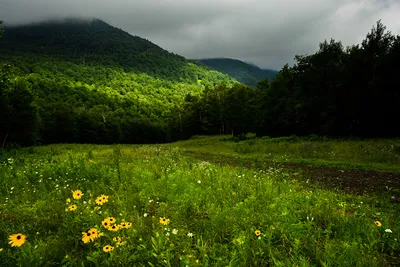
171, 209
372, 154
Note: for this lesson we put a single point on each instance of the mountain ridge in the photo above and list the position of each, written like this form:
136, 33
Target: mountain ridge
246, 73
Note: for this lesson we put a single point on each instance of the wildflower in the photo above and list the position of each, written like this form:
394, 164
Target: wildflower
388, 231
94, 232
66, 256
87, 237
117, 239
378, 223
108, 248
113, 227
257, 232
99, 201
174, 231
111, 220
106, 223
77, 194
145, 215
273, 228
167, 234
197, 261
73, 207
190, 234
199, 182
17, 240
1, 249
164, 221
120, 243
68, 201
104, 198
128, 225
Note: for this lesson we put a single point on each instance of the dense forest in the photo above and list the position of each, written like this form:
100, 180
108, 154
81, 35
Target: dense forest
245, 73
336, 91
88, 82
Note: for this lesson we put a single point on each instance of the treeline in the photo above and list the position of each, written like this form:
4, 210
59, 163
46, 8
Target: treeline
336, 91
45, 100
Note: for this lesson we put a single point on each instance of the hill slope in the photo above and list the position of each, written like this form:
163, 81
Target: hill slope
91, 82
95, 42
243, 72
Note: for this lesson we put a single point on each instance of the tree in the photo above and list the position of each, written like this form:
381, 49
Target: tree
19, 113
1, 31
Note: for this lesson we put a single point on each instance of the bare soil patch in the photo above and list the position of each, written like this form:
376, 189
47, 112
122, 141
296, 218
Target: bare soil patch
348, 180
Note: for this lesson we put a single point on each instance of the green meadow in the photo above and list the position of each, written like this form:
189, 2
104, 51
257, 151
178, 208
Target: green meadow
186, 205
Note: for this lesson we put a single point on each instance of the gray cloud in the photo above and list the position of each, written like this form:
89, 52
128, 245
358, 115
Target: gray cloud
267, 33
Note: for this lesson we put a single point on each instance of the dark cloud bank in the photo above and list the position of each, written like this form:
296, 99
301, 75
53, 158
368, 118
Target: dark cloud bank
266, 33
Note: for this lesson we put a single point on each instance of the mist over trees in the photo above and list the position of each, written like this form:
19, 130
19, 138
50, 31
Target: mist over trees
52, 95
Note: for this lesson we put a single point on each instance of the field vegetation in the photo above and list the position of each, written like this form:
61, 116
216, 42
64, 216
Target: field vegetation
168, 208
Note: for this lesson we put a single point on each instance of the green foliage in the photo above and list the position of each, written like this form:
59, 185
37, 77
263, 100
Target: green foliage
18, 110
94, 83
221, 206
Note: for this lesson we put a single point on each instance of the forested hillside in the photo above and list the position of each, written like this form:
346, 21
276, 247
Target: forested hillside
336, 91
245, 73
86, 81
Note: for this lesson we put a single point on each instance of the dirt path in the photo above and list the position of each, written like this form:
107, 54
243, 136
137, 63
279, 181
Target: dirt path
348, 180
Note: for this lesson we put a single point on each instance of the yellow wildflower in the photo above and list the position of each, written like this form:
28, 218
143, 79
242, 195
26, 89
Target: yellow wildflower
120, 243
108, 248
77, 194
99, 201
94, 233
164, 221
113, 227
87, 237
106, 223
17, 240
258, 232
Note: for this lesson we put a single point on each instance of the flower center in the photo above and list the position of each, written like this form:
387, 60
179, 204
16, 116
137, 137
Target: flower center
18, 237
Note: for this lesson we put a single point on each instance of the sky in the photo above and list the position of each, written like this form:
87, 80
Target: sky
263, 32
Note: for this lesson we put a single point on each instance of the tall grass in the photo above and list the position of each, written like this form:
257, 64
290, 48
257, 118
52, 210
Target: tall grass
213, 212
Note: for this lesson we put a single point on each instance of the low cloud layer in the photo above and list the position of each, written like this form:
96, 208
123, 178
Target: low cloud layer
266, 33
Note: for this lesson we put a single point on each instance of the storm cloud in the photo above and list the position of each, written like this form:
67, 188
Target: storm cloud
266, 33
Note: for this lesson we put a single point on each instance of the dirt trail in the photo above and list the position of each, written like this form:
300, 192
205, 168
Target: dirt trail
349, 180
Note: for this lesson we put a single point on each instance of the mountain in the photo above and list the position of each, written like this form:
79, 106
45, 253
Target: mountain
87, 81
92, 41
243, 72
